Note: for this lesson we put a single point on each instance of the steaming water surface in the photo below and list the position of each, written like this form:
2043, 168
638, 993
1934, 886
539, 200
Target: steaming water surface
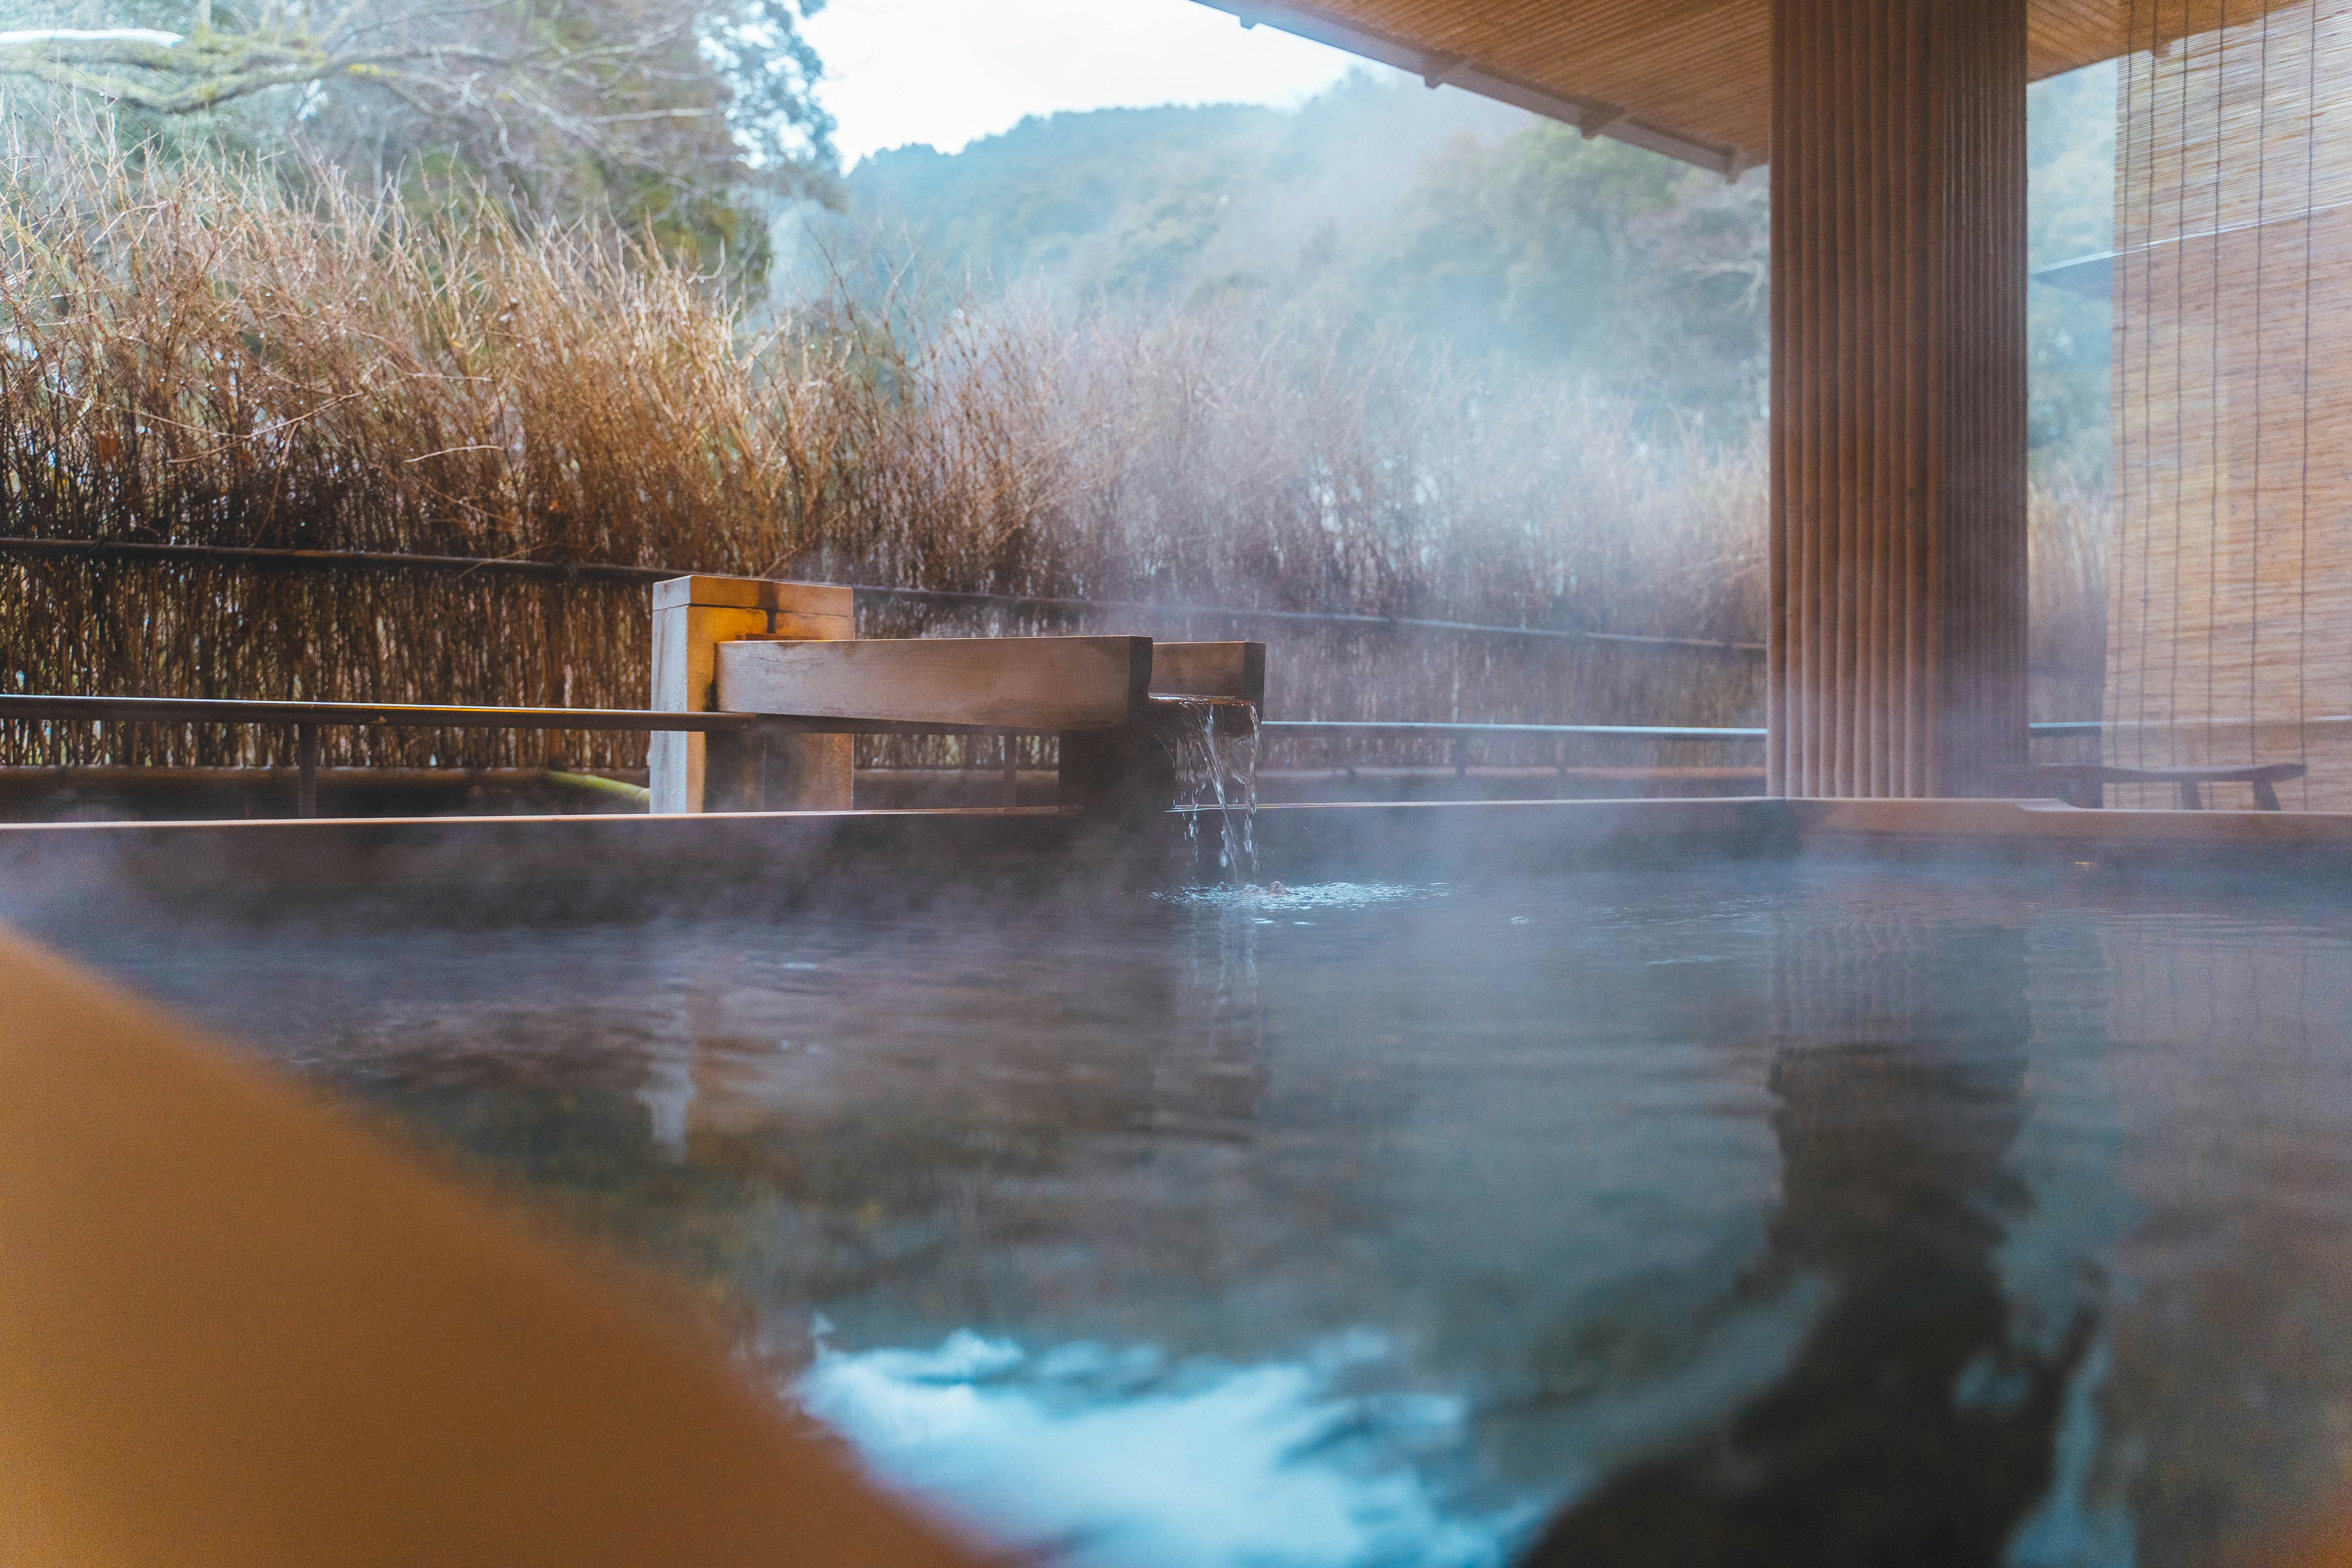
1752, 1213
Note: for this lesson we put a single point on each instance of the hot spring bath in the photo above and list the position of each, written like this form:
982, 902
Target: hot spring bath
1908, 1214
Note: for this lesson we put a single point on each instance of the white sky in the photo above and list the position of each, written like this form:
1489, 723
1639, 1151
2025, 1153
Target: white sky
946, 71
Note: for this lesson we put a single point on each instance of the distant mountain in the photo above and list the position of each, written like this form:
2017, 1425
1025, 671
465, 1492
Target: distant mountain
1500, 241
1148, 203
1487, 236
1119, 196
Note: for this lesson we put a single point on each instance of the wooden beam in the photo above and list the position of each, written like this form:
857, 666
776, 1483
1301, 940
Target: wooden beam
1407, 42
1210, 669
1024, 683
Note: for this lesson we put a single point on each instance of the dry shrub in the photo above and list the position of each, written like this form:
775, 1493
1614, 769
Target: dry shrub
2067, 621
1208, 459
195, 355
211, 356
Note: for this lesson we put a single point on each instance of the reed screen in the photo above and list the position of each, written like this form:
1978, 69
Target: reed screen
2232, 577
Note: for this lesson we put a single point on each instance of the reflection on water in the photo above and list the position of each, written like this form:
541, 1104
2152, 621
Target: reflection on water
1758, 1214
1910, 1427
1087, 1455
2240, 1358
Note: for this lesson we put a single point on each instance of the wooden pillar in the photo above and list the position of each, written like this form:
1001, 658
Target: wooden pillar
692, 616
1898, 635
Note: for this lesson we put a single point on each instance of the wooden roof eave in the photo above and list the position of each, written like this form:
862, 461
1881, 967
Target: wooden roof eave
1685, 78
1438, 69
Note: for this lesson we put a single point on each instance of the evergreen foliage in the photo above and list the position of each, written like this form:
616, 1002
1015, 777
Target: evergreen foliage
1498, 243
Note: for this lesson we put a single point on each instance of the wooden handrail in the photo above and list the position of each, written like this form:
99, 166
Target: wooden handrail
416, 715
433, 716
309, 717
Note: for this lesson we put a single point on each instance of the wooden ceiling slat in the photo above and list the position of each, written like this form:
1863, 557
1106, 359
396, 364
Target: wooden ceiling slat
1691, 77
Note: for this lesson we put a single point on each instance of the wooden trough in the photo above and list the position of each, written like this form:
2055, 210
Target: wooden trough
783, 651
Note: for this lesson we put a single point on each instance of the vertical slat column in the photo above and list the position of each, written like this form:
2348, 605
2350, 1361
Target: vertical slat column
692, 616
1898, 635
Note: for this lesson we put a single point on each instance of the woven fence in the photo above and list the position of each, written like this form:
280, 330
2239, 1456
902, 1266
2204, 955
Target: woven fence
378, 632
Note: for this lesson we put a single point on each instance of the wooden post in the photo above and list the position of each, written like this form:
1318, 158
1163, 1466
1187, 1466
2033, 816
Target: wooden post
1897, 571
306, 770
692, 616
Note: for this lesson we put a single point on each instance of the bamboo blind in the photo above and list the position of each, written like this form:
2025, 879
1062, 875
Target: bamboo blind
2230, 605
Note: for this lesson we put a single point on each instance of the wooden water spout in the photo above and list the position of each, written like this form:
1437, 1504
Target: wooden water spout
784, 651
1129, 771
1235, 670
995, 683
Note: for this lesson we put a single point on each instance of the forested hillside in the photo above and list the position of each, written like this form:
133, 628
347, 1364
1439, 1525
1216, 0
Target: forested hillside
1484, 235
1504, 244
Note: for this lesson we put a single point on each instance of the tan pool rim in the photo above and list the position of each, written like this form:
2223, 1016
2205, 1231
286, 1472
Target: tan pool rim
573, 861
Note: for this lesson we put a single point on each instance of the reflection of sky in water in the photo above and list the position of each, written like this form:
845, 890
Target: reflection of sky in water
2073, 1528
1087, 1455
1083, 1454
1666, 1216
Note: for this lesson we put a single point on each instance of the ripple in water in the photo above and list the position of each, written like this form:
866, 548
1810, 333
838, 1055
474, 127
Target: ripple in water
1277, 896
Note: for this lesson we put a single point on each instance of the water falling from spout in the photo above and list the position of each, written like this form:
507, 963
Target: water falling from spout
1212, 743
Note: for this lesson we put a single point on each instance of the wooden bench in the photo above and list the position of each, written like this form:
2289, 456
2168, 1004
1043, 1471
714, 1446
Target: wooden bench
2090, 779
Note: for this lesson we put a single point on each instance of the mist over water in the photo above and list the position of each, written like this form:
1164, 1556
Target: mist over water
1741, 1213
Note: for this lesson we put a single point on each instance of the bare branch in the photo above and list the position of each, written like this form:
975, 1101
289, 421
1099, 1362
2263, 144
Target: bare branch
544, 101
214, 68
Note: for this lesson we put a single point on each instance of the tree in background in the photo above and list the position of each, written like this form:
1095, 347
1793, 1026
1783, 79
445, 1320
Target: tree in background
1503, 245
2071, 157
684, 121
1647, 276
1500, 244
